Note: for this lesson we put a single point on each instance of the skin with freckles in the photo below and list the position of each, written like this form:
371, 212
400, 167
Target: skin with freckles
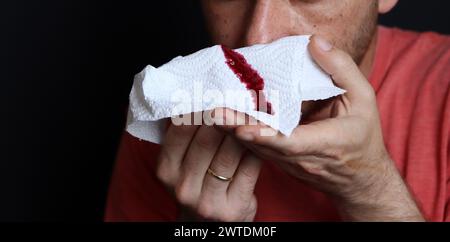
338, 149
242, 23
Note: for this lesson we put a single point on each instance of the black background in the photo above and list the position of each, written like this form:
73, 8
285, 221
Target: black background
66, 68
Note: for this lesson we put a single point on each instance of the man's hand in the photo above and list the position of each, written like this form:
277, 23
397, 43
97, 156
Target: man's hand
186, 155
343, 154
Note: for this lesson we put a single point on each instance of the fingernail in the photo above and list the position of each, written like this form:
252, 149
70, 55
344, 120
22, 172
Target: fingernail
246, 136
323, 44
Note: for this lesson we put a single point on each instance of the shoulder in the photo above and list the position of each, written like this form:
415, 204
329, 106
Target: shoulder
422, 44
424, 55
420, 41
423, 47
412, 70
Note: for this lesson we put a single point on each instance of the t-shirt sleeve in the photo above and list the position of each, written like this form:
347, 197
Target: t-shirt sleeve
135, 193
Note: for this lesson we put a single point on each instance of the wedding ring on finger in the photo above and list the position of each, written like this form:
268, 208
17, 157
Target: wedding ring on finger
222, 178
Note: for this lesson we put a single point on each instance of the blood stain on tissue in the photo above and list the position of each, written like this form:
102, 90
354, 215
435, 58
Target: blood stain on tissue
250, 77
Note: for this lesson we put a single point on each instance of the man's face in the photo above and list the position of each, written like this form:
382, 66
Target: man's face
349, 24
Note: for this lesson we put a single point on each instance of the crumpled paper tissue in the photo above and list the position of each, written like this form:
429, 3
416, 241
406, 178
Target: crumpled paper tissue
267, 81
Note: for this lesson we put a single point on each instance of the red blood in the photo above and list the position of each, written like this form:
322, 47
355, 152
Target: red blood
250, 77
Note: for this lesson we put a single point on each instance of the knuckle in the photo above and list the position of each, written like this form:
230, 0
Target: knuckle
184, 195
226, 161
165, 172
161, 174
303, 164
164, 175
204, 142
289, 151
335, 151
206, 210
312, 168
338, 154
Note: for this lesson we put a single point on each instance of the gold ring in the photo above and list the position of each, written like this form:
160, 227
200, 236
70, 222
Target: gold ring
222, 178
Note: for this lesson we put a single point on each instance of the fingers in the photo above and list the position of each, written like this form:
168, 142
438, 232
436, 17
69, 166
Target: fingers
304, 139
173, 150
238, 202
342, 68
176, 142
242, 187
225, 163
198, 158
215, 202
187, 153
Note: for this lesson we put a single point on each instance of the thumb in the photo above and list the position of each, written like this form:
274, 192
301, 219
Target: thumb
343, 70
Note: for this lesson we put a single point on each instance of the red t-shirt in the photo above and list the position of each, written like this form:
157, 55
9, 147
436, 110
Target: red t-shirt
412, 81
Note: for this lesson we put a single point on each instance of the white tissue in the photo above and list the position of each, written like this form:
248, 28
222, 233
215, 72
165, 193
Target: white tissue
285, 65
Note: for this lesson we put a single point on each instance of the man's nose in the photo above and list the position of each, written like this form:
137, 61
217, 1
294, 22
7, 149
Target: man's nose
269, 21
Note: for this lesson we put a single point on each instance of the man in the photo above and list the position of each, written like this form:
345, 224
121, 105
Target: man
380, 152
